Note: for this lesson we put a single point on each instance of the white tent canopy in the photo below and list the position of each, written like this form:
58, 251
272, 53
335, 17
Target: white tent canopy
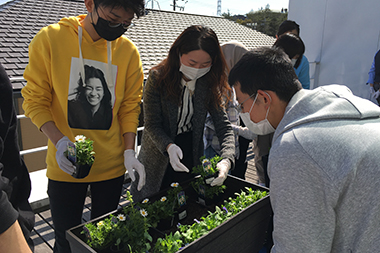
341, 39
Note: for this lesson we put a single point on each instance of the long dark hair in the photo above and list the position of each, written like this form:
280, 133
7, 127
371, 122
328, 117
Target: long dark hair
92, 72
196, 37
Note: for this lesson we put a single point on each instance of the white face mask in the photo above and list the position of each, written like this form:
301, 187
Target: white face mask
294, 61
261, 128
193, 73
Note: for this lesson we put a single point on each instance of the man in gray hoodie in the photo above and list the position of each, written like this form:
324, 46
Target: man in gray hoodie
324, 164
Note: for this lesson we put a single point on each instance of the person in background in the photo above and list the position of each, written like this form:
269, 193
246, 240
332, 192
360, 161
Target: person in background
293, 46
57, 58
374, 79
178, 94
232, 51
302, 71
323, 165
263, 142
16, 214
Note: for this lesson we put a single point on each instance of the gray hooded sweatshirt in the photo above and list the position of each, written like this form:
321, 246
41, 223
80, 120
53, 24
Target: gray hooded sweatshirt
324, 170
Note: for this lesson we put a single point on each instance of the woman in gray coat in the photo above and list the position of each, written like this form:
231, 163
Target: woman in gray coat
178, 94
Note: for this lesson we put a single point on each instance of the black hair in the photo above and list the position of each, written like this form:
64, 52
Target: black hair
292, 45
138, 6
266, 68
287, 26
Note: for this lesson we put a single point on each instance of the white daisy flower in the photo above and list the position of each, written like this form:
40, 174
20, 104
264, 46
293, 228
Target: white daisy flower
100, 223
121, 217
163, 199
143, 212
145, 201
80, 138
174, 184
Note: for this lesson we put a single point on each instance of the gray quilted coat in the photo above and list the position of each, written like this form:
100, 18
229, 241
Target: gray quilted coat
160, 128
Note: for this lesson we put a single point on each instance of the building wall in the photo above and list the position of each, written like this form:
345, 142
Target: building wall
341, 39
31, 137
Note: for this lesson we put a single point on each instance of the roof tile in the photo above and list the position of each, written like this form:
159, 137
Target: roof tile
153, 34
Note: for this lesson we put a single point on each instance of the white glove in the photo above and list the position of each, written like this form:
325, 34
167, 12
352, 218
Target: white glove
223, 166
132, 164
371, 90
246, 133
376, 94
63, 163
175, 154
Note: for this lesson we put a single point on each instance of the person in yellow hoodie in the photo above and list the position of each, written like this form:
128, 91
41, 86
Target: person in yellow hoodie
58, 55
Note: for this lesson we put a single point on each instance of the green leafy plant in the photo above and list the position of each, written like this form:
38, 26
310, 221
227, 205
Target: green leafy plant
207, 169
173, 194
189, 233
170, 244
158, 210
243, 200
84, 150
129, 229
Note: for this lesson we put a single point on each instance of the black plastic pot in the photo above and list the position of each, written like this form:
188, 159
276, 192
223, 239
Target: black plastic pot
165, 224
217, 199
81, 170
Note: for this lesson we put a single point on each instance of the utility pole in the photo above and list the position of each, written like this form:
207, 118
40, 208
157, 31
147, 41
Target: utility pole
146, 4
219, 10
181, 8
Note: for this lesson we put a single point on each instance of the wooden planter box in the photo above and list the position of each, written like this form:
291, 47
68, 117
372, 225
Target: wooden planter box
245, 232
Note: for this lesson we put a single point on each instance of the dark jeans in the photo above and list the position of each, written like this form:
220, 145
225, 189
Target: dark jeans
185, 142
376, 87
67, 200
241, 163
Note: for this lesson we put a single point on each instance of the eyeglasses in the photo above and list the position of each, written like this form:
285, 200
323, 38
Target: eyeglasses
238, 107
114, 24
125, 26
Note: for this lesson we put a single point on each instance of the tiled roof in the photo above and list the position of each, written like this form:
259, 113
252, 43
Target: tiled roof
153, 33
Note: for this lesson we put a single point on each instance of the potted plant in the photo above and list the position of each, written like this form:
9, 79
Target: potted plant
207, 171
81, 154
126, 231
178, 197
170, 243
161, 212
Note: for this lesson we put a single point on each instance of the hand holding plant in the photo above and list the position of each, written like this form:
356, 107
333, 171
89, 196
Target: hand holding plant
84, 150
207, 171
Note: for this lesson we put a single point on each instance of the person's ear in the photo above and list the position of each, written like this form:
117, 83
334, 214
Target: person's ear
90, 5
265, 98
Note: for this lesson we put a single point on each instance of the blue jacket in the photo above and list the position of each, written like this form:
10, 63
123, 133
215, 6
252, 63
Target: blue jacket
303, 73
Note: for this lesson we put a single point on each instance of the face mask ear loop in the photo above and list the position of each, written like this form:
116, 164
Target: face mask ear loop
266, 116
109, 65
254, 101
81, 61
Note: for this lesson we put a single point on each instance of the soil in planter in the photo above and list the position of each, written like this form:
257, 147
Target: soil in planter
194, 211
218, 200
165, 224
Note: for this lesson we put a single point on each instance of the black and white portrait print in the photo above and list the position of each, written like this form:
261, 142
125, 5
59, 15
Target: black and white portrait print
90, 101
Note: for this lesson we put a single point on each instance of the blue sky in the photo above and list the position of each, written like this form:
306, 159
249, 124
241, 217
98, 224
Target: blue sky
209, 7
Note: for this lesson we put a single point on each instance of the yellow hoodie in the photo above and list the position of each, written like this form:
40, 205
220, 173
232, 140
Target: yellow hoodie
52, 77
